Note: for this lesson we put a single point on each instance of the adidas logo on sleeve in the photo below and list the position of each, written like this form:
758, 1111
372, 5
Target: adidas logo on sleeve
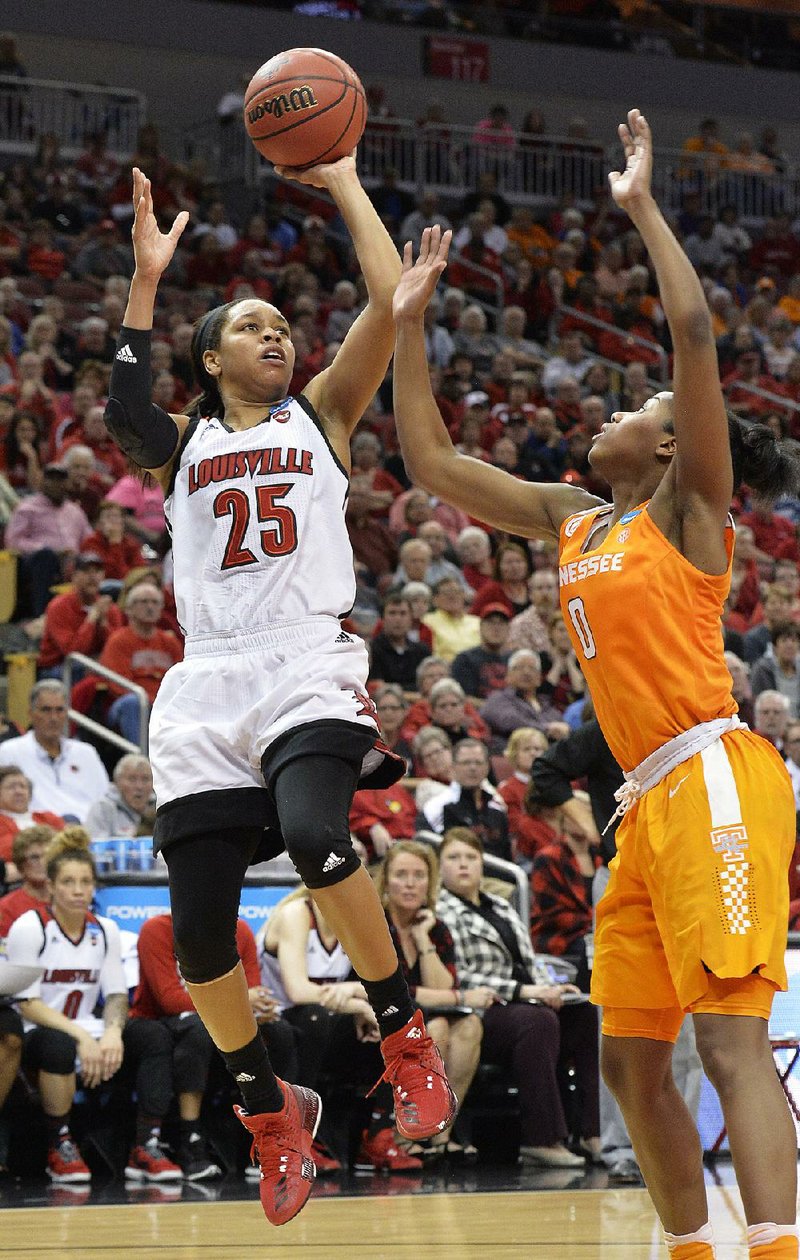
331, 863
126, 355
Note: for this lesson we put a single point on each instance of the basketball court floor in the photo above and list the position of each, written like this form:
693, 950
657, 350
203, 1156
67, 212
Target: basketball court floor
480, 1213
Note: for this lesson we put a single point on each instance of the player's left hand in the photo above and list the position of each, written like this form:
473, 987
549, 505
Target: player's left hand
111, 1052
633, 184
420, 278
320, 176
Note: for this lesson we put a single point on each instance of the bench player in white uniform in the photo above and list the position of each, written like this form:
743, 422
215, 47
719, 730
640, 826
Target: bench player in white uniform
261, 735
80, 954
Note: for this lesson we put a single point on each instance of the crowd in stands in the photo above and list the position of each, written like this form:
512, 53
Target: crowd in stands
473, 676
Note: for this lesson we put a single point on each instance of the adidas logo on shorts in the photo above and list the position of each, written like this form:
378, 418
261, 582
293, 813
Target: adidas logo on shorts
126, 355
331, 862
243, 1078
343, 638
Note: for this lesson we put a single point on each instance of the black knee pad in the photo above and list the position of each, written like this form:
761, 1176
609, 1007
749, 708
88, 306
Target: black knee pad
50, 1050
203, 955
322, 858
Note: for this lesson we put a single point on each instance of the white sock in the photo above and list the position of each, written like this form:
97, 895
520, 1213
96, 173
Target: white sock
704, 1235
769, 1232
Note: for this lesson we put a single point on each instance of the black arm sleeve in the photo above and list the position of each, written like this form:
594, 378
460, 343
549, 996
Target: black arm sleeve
571, 758
144, 432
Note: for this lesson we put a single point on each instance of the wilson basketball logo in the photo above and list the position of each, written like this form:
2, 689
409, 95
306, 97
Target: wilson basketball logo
299, 99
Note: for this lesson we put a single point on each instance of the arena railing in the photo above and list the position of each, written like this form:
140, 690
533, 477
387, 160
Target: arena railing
497, 868
31, 108
755, 195
89, 666
780, 403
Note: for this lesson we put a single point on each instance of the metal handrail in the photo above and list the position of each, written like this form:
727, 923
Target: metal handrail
80, 719
781, 403
663, 358
31, 107
499, 868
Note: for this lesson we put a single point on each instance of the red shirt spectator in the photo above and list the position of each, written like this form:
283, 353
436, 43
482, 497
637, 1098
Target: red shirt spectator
773, 534
161, 990
379, 816
119, 551
80, 620
144, 659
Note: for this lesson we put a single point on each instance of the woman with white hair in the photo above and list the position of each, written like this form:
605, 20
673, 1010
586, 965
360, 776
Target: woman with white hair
128, 807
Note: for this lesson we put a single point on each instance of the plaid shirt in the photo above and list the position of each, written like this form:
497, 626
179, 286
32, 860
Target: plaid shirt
481, 956
561, 908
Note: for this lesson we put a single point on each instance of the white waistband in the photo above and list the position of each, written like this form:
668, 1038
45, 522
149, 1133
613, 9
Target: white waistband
659, 764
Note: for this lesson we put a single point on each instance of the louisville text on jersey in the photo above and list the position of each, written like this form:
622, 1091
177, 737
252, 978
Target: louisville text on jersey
238, 464
588, 566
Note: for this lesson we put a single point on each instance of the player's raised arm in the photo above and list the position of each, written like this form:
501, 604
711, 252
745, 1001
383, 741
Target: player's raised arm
343, 391
145, 433
533, 510
703, 470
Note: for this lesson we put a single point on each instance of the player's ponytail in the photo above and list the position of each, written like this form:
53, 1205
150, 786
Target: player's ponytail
70, 845
770, 466
207, 336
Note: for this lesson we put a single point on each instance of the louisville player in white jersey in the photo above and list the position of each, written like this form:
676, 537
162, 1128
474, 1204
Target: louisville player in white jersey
80, 954
262, 734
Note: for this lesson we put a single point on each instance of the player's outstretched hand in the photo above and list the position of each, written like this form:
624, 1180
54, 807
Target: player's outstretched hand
633, 184
420, 278
152, 248
319, 176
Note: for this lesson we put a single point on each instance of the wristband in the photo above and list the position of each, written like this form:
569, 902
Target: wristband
424, 952
517, 994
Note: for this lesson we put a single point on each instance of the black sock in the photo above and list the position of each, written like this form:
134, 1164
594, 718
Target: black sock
147, 1127
187, 1129
391, 1002
57, 1127
251, 1069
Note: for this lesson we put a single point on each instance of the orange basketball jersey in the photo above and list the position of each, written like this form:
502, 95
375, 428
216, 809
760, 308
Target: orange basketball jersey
645, 624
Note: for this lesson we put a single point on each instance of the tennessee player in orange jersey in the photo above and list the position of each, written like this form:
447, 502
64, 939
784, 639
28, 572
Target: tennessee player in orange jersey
695, 915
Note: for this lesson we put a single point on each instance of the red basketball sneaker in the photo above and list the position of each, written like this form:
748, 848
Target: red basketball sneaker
282, 1143
64, 1162
424, 1103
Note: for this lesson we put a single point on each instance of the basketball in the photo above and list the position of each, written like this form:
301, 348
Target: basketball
305, 106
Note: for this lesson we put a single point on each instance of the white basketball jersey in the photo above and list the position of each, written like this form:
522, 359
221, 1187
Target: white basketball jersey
257, 524
323, 966
75, 972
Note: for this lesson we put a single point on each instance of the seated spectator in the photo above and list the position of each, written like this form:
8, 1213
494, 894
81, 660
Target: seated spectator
58, 940
305, 966
474, 551
474, 339
67, 774
523, 748
471, 801
85, 487
27, 854
80, 620
451, 518
773, 534
791, 755
104, 255
519, 702
530, 629
439, 345
429, 672
527, 1027
561, 887
573, 359
437, 538
742, 691
563, 683
44, 528
408, 883
512, 568
426, 214
771, 715
374, 547
391, 706
777, 669
433, 762
128, 807
414, 561
453, 629
420, 600
394, 656
109, 462
16, 814
140, 652
368, 476
161, 997
453, 713
119, 551
380, 817
482, 669
23, 452
777, 610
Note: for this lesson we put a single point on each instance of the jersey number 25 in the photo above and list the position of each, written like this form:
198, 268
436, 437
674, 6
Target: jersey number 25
278, 539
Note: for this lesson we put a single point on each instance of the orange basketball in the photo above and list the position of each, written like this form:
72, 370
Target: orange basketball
305, 106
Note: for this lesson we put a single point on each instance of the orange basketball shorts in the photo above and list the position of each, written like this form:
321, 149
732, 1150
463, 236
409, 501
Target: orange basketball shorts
698, 896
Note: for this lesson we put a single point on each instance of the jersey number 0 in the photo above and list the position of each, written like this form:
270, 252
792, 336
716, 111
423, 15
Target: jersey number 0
577, 615
278, 539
